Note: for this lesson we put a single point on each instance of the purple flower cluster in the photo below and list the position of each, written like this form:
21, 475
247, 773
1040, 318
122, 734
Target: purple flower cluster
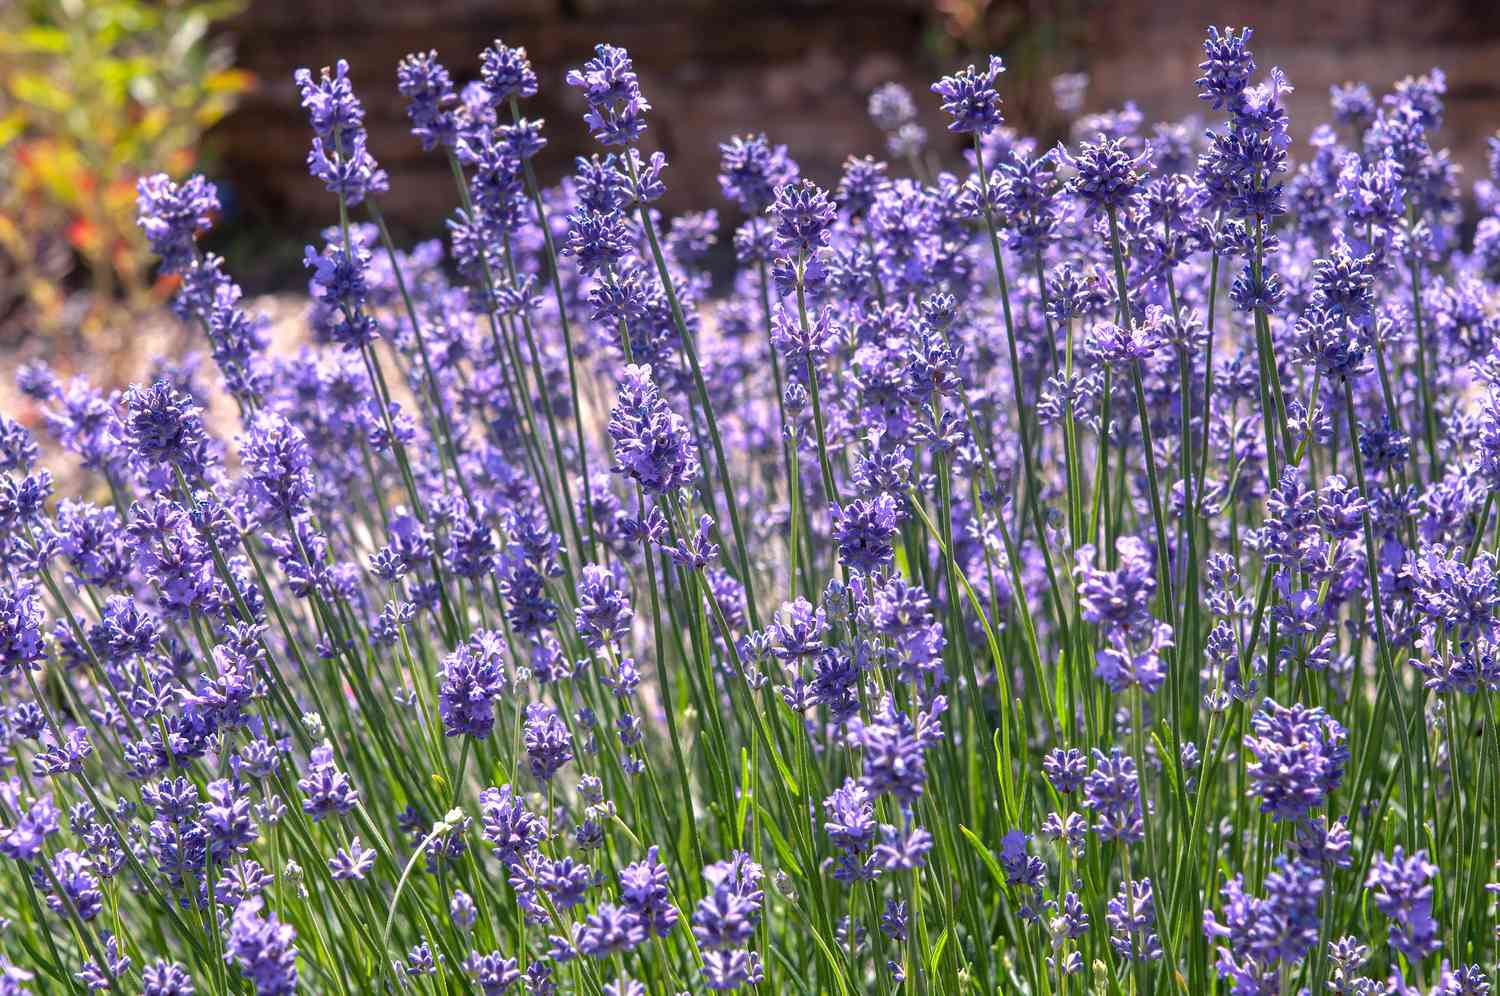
998, 569
1298, 755
340, 155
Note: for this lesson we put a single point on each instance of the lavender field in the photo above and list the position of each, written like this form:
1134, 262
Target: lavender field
1038, 571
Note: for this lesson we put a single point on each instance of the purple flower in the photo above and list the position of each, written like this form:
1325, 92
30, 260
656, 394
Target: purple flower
727, 916
1021, 869
752, 170
894, 744
1070, 919
328, 790
617, 109
1353, 106
691, 237
339, 157
653, 444
804, 216
95, 976
724, 922
1331, 343
1466, 980
549, 745
1227, 67
1325, 844
1118, 599
1240, 170
566, 881
620, 296
697, 551
600, 185
835, 683
35, 379
522, 140
797, 630
865, 530
1065, 768
264, 949
803, 345
861, 183
645, 891
351, 863
172, 216
237, 337
891, 106
339, 289
609, 929
1461, 597
75, 873
755, 241
1106, 175
1344, 285
335, 113
471, 546
495, 975
23, 502
419, 960
1384, 447
496, 188
430, 99
472, 679
902, 612
84, 422
462, 910
1121, 346
1401, 887
1112, 791
725, 970
227, 819
20, 629
524, 588
850, 825
1298, 758
18, 451
893, 921
598, 241
506, 73
1132, 921
1122, 667
1264, 937
970, 98
1251, 291
385, 532
278, 464
165, 426
648, 185
513, 830
901, 849
24, 841
166, 978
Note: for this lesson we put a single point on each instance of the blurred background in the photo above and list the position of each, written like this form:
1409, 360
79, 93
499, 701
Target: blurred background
94, 93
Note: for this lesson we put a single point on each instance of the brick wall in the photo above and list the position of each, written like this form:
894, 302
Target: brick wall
1139, 50
801, 71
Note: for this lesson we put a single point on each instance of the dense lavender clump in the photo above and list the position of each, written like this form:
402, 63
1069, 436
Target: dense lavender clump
1031, 570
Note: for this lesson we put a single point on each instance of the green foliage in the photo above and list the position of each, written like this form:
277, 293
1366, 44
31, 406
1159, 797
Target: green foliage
94, 94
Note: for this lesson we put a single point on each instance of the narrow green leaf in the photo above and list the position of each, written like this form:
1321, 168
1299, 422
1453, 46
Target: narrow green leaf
984, 855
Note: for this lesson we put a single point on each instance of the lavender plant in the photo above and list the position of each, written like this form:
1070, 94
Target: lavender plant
1071, 573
